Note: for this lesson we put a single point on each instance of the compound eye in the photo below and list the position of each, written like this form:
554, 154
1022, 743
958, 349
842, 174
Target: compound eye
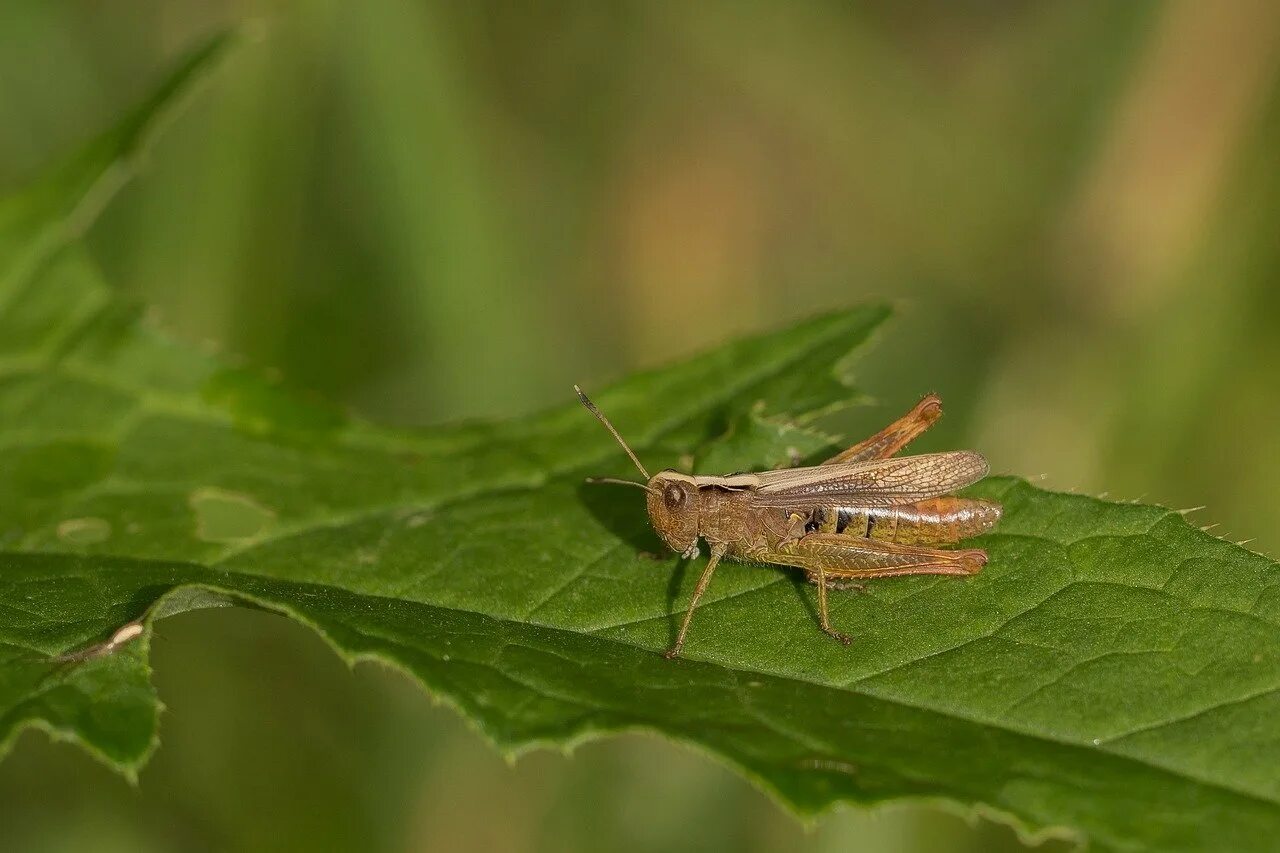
673, 497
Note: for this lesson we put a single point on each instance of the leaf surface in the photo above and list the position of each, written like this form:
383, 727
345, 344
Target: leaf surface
1113, 670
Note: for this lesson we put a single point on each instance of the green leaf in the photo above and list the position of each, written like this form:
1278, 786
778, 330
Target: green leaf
1112, 670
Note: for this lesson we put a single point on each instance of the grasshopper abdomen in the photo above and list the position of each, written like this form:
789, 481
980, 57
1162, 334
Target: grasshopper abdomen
934, 521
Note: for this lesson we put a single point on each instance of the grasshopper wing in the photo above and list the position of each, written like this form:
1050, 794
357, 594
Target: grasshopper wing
876, 483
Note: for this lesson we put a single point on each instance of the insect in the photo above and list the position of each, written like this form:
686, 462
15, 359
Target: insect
864, 513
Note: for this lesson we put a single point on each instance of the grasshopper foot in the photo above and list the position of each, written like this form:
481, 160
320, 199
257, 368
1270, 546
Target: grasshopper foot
844, 639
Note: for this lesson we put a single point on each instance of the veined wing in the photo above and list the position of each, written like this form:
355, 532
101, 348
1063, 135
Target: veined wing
881, 482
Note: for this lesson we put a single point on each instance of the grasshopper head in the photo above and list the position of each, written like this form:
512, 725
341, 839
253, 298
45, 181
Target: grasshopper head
673, 509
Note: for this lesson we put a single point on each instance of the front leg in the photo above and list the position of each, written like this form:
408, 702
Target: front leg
717, 551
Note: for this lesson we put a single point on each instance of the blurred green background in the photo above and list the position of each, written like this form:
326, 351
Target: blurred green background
429, 211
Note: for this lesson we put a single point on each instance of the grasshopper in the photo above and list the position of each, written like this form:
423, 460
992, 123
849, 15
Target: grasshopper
862, 514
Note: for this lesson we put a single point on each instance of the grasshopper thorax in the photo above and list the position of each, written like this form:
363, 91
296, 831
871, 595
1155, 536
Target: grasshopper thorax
673, 509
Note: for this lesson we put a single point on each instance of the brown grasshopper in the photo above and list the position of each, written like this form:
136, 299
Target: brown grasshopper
861, 514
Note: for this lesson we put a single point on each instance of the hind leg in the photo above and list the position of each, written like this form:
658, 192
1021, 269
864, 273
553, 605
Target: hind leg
834, 558
895, 436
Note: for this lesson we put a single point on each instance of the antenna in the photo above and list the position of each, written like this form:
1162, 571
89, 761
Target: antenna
586, 401
615, 481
